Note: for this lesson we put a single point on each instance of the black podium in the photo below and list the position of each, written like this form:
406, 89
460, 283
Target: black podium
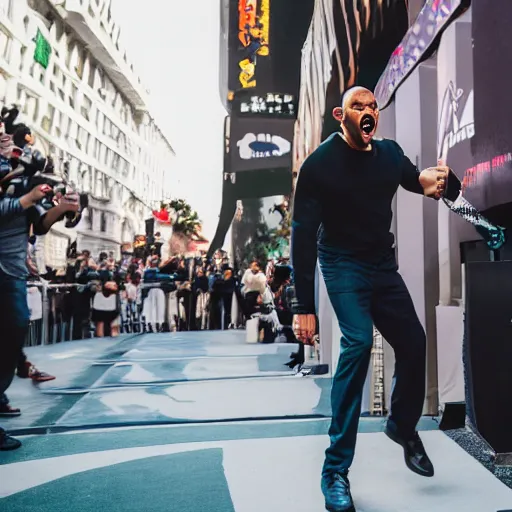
488, 344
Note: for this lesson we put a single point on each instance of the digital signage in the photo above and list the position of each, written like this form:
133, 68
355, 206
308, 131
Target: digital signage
264, 40
265, 105
252, 41
489, 180
257, 144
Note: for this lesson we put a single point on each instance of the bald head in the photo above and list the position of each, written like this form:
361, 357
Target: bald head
358, 116
355, 92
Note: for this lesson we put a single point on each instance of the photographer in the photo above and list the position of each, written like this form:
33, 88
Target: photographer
17, 215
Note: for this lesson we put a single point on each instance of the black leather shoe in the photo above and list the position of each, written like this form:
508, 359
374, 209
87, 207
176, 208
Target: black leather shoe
336, 489
416, 458
8, 443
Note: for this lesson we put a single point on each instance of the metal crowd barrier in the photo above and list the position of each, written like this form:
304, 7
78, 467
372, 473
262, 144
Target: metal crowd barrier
62, 312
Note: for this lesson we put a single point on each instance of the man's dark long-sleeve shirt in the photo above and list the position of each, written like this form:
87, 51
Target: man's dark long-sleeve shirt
343, 199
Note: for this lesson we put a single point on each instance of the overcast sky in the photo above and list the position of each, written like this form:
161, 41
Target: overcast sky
174, 46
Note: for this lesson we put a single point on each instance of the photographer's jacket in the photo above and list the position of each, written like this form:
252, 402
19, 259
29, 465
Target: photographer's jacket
14, 232
343, 199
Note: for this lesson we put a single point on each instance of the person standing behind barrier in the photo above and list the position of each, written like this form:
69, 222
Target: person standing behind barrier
200, 290
254, 282
106, 310
17, 215
227, 291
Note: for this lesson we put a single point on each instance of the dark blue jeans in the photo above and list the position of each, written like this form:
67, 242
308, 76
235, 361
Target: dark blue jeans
367, 290
14, 320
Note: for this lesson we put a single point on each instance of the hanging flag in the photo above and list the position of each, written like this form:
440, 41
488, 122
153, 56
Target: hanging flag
43, 50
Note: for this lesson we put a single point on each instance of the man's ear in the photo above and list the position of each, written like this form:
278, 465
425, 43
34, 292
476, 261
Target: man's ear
337, 113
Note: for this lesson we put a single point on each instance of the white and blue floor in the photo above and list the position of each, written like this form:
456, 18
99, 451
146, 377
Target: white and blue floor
203, 422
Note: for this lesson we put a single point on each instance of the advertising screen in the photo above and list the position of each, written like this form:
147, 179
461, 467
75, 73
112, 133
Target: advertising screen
250, 44
490, 179
265, 105
265, 39
257, 143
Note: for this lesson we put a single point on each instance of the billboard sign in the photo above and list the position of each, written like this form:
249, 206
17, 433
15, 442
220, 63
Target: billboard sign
257, 143
252, 45
265, 105
489, 181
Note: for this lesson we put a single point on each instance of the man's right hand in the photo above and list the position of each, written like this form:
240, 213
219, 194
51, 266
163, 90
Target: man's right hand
304, 328
35, 195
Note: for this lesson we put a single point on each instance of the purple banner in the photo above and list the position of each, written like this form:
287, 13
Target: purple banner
417, 45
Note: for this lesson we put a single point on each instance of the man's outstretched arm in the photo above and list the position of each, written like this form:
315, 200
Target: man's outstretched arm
306, 220
430, 182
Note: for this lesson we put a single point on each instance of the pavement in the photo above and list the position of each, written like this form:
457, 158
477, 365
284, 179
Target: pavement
203, 421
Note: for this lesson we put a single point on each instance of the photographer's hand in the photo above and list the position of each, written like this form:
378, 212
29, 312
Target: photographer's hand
67, 203
35, 195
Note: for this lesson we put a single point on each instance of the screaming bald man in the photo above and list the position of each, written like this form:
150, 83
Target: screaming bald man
342, 215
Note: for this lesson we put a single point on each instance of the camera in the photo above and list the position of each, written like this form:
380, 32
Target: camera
23, 168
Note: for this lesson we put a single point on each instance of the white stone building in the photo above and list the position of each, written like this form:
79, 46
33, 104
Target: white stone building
89, 110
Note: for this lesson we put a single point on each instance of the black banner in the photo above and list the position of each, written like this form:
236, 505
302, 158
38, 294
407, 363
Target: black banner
257, 144
489, 181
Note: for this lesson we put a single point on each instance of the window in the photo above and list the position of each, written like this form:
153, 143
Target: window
31, 107
97, 146
103, 226
79, 63
86, 108
47, 121
73, 96
103, 152
90, 219
80, 138
98, 184
5, 45
125, 167
92, 75
116, 160
23, 51
100, 121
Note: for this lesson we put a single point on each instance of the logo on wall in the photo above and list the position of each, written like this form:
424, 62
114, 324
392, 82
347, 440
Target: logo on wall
253, 35
263, 146
456, 122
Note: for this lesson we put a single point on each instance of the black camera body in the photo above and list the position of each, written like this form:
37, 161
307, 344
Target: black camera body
23, 168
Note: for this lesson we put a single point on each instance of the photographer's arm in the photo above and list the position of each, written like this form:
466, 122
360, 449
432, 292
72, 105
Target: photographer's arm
10, 207
43, 224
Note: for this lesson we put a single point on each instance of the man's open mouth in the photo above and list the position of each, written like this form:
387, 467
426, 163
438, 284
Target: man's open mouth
367, 124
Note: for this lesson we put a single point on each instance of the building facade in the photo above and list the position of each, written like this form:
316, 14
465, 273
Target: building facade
87, 109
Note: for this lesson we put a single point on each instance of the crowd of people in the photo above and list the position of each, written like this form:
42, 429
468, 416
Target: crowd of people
101, 295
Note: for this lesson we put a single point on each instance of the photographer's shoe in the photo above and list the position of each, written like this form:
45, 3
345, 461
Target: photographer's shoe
6, 411
336, 490
416, 458
8, 443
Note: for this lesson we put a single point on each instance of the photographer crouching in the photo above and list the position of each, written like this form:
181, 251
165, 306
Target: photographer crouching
25, 204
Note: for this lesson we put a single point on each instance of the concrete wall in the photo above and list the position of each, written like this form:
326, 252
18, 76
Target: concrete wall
416, 216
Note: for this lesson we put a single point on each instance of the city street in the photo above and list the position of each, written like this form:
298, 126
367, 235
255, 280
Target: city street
205, 421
